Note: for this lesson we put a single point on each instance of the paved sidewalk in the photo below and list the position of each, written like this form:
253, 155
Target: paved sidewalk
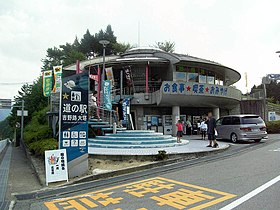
22, 177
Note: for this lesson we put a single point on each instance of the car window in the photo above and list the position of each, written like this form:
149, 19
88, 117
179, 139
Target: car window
226, 121
235, 121
219, 122
252, 120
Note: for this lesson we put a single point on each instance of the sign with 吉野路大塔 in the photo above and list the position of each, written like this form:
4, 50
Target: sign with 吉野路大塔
73, 134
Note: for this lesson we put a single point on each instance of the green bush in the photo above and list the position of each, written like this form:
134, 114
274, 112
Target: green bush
38, 148
38, 135
273, 127
162, 155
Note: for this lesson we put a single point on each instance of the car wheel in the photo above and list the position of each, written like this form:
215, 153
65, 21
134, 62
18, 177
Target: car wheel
233, 138
257, 140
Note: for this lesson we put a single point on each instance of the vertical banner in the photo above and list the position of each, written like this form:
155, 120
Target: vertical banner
57, 71
73, 133
98, 87
107, 94
110, 75
56, 165
128, 76
47, 83
126, 108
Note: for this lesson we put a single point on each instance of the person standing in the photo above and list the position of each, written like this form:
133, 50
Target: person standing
211, 128
189, 127
93, 105
119, 111
203, 129
179, 126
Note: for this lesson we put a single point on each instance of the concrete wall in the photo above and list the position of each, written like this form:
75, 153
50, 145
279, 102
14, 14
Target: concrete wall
252, 107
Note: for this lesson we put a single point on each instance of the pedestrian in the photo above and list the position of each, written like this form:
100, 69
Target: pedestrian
211, 129
179, 126
119, 111
189, 127
203, 129
93, 105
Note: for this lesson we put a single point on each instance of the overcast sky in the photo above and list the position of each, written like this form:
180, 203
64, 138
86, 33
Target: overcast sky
241, 34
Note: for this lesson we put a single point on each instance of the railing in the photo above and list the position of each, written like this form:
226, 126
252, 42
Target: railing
103, 114
3, 144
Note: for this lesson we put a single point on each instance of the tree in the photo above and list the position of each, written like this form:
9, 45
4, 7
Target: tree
5, 129
166, 46
272, 90
121, 47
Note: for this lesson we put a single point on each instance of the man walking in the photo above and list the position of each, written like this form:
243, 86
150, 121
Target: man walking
211, 128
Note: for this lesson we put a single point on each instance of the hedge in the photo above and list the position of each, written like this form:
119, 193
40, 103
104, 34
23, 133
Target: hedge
273, 127
38, 148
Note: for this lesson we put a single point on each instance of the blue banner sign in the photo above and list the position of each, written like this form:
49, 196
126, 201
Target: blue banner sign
73, 131
107, 94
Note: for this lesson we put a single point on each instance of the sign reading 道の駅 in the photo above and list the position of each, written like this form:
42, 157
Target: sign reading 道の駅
74, 122
56, 165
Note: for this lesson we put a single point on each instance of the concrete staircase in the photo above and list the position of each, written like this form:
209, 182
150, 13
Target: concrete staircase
134, 139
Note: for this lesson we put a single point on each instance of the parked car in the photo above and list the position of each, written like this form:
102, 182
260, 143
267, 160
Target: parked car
241, 128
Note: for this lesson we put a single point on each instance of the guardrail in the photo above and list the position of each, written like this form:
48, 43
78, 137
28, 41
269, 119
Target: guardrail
3, 144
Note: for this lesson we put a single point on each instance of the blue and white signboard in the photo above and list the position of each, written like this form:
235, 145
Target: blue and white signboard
73, 130
107, 94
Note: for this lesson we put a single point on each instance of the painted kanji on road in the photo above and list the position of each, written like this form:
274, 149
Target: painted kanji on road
157, 192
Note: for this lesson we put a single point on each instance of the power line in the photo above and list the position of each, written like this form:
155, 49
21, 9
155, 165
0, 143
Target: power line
14, 83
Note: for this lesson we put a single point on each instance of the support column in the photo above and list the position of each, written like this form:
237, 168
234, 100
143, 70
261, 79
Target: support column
175, 118
216, 113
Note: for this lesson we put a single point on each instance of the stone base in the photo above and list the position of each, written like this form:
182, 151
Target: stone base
78, 166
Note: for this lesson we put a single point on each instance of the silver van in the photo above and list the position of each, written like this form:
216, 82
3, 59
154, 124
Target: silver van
241, 128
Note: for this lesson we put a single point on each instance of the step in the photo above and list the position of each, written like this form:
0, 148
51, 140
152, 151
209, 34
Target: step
165, 141
138, 131
133, 134
98, 123
139, 146
100, 126
132, 138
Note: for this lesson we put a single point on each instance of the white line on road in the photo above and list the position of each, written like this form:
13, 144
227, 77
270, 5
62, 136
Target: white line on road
251, 194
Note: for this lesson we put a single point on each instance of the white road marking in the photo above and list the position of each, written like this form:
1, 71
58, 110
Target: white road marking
251, 194
275, 150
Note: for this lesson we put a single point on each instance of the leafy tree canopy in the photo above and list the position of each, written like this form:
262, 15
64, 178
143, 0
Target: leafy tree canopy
272, 91
85, 48
166, 46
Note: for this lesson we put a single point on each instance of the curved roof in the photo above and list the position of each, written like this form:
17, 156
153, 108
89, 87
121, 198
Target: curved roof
156, 55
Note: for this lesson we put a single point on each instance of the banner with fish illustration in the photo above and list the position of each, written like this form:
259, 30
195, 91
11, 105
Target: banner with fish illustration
107, 94
57, 71
47, 83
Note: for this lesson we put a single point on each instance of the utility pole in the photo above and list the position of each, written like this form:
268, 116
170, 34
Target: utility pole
104, 43
22, 120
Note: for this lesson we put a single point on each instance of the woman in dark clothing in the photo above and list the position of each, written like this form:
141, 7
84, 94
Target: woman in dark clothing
119, 110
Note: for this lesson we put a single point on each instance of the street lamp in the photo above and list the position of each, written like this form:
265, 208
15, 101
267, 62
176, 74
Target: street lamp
278, 52
104, 43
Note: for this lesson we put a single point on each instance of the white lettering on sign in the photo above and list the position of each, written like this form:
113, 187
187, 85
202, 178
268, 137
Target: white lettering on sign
74, 143
66, 143
76, 96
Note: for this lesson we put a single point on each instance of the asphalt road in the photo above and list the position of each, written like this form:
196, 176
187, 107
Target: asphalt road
244, 177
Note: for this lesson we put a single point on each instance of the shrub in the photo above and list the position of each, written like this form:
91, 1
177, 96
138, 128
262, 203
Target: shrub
38, 148
162, 155
273, 127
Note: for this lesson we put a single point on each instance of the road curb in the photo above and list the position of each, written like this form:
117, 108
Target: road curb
175, 158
